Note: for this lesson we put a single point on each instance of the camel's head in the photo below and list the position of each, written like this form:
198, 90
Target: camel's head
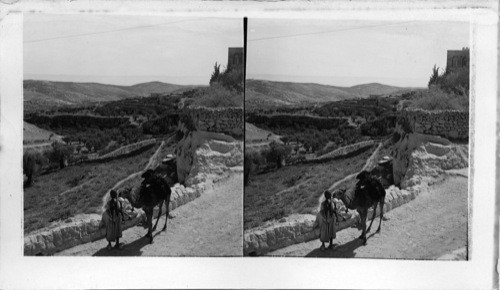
363, 175
148, 174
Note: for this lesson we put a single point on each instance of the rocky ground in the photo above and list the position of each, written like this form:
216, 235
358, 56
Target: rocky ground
432, 225
211, 225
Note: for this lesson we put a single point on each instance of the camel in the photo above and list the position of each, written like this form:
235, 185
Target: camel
153, 191
369, 192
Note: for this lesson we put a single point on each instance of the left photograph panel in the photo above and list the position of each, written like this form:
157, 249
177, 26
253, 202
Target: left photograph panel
133, 135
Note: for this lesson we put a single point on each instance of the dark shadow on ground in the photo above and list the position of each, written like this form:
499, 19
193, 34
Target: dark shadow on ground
132, 249
339, 251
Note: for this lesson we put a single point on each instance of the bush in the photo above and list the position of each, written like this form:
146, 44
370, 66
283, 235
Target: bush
454, 82
231, 78
33, 161
254, 161
217, 96
437, 99
60, 154
278, 153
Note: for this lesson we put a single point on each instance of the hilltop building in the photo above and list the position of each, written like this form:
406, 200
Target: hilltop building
235, 57
457, 59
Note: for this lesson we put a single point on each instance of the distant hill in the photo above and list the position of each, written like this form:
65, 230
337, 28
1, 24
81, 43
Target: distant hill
48, 94
261, 93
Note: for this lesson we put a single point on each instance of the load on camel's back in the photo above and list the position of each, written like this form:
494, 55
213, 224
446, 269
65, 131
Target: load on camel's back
153, 191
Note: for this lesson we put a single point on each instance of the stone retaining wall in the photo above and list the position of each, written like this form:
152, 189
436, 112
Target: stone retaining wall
221, 120
298, 228
446, 123
346, 150
125, 150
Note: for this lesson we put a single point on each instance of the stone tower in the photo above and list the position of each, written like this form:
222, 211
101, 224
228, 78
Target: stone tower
235, 57
457, 59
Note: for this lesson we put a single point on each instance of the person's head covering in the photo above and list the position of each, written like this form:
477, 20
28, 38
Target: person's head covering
169, 157
328, 195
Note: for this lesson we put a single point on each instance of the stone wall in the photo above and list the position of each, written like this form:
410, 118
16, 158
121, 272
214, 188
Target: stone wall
125, 150
85, 228
346, 150
445, 123
221, 120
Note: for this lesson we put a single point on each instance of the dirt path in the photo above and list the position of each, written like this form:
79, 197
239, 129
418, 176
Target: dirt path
433, 224
211, 225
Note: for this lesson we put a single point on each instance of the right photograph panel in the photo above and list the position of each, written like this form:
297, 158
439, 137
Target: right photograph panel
357, 139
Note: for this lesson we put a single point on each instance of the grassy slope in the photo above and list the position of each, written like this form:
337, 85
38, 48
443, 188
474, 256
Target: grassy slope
254, 133
43, 201
262, 203
33, 133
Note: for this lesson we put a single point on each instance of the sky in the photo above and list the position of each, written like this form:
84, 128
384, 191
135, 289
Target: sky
347, 53
126, 50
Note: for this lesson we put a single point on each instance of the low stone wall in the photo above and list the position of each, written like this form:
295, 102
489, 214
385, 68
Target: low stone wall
221, 120
296, 229
125, 150
446, 123
346, 150
85, 228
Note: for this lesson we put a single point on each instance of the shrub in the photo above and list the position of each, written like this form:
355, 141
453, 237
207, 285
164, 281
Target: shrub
33, 162
254, 160
216, 74
278, 153
59, 154
217, 96
231, 78
437, 99
456, 82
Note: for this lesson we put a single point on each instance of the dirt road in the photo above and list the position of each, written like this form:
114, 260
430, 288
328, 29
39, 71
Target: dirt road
210, 225
433, 224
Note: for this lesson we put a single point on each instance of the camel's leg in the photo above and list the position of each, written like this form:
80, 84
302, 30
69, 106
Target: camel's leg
159, 214
167, 205
381, 214
373, 217
363, 215
149, 216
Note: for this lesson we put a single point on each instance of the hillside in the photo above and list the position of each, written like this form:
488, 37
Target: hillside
261, 93
254, 134
33, 134
47, 94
